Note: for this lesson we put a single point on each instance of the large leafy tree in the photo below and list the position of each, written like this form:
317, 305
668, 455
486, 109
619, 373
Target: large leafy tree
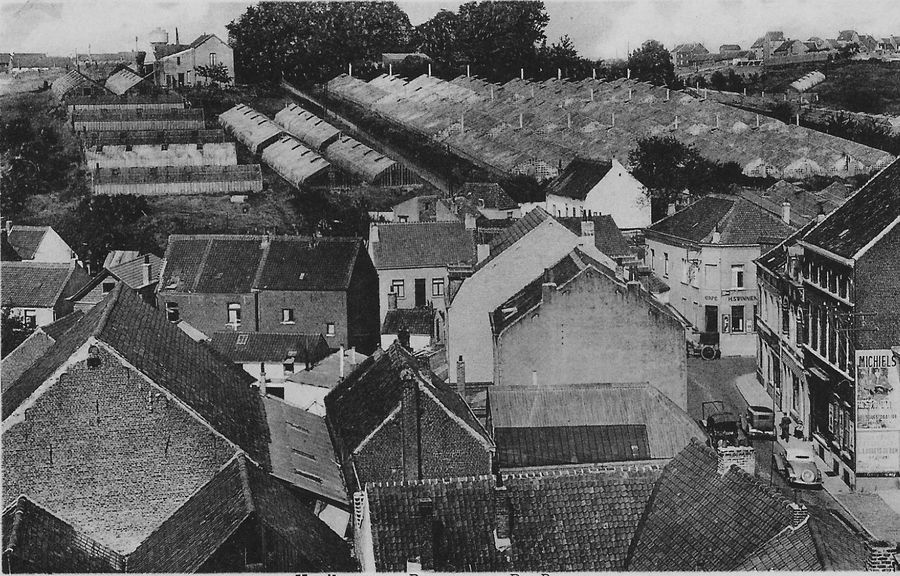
437, 38
314, 41
652, 63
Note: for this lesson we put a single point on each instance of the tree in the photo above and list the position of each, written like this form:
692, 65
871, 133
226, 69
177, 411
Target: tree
652, 63
331, 216
437, 38
562, 57
12, 332
217, 73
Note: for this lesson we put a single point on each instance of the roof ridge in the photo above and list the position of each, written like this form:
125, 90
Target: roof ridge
62, 287
260, 266
202, 265
39, 264
113, 299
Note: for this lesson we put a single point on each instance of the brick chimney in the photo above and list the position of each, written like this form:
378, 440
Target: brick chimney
799, 513
373, 234
502, 520
461, 377
881, 556
740, 456
786, 212
392, 301
145, 271
548, 287
587, 232
410, 427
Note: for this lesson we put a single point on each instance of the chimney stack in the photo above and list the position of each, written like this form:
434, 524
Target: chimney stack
392, 301
409, 426
350, 69
176, 36
880, 556
521, 73
467, 71
534, 380
670, 209
593, 73
786, 212
558, 74
798, 514
716, 236
145, 270
353, 355
628, 73
373, 234
547, 288
461, 377
390, 69
502, 519
587, 232
740, 456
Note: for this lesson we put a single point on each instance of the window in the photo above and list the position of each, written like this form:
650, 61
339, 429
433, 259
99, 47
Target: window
684, 271
172, 311
666, 264
755, 318
212, 58
813, 326
437, 287
287, 315
178, 60
737, 318
737, 276
709, 273
785, 318
652, 259
108, 287
795, 393
329, 328
234, 314
398, 287
402, 219
288, 367
29, 318
832, 283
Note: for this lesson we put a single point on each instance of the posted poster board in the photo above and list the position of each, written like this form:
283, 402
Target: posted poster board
877, 411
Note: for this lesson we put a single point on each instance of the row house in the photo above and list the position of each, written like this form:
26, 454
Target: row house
838, 315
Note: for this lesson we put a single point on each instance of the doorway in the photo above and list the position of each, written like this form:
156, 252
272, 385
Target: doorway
420, 292
712, 319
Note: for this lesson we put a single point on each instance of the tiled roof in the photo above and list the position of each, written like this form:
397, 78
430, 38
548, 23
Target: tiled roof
579, 178
35, 540
56, 329
7, 252
26, 239
737, 221
701, 520
522, 447
423, 245
775, 259
237, 264
131, 271
805, 205
34, 347
301, 450
327, 373
792, 549
416, 320
865, 215
359, 404
269, 347
36, 284
607, 236
668, 428
492, 194
512, 234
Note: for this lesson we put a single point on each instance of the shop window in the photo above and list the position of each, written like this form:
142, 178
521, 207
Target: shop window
737, 318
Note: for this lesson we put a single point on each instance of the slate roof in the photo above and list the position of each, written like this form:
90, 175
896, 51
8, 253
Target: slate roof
571, 444
366, 397
423, 245
579, 178
25, 240
667, 429
513, 233
492, 194
865, 215
35, 540
607, 236
33, 348
301, 450
37, 284
792, 549
237, 264
805, 204
738, 221
131, 271
269, 347
416, 320
56, 329
701, 520
327, 373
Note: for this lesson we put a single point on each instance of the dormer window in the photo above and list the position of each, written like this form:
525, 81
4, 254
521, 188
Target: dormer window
234, 314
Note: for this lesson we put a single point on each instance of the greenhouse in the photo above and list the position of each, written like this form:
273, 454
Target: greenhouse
181, 180
249, 127
296, 163
307, 127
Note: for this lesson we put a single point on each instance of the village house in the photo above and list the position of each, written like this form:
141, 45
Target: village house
688, 54
705, 253
392, 419
560, 425
589, 187
37, 293
307, 388
415, 328
413, 260
275, 284
23, 356
427, 208
176, 64
846, 37
766, 45
37, 243
795, 205
730, 50
144, 451
793, 48
576, 323
140, 272
489, 199
636, 516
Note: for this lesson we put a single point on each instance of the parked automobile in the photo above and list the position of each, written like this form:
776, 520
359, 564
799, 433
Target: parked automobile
759, 422
799, 467
722, 426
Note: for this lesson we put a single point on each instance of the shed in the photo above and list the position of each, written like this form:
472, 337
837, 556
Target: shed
163, 101
123, 80
76, 84
187, 154
96, 138
307, 127
295, 162
252, 129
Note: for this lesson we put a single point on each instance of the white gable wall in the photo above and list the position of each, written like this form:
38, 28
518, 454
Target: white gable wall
53, 249
622, 196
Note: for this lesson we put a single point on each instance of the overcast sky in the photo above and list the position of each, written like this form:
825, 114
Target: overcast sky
600, 29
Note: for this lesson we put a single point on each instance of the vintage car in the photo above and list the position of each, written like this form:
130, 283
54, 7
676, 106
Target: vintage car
799, 467
759, 422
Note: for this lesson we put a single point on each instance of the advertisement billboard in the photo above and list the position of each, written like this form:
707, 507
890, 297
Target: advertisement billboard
877, 412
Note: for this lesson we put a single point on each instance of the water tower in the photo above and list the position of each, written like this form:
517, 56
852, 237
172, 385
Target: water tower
159, 37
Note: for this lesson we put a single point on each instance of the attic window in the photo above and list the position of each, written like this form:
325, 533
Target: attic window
306, 455
93, 360
242, 339
308, 476
298, 427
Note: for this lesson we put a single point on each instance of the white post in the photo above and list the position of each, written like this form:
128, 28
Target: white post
745, 91
429, 69
492, 93
521, 73
757, 120
521, 122
569, 119
467, 70
763, 93
629, 73
593, 73
667, 94
350, 69
592, 94
390, 69
558, 74
676, 122
613, 118
717, 120
532, 91
798, 119
462, 122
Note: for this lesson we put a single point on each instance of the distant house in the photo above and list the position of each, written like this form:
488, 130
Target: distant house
793, 48
419, 325
490, 199
38, 243
588, 187
688, 54
395, 58
846, 37
140, 272
426, 208
38, 292
276, 284
794, 205
176, 64
730, 50
391, 419
413, 262
764, 46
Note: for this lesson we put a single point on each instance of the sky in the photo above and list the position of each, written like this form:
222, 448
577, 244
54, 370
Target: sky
599, 29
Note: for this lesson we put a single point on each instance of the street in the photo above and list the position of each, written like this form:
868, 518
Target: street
841, 538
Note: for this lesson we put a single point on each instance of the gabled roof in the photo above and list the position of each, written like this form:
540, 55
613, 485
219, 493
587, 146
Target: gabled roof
327, 373
301, 451
792, 549
34, 347
513, 233
7, 252
307, 127
131, 271
37, 284
365, 399
487, 195
216, 389
26, 240
268, 347
869, 212
72, 80
238, 264
737, 221
416, 320
805, 204
846, 35
666, 428
123, 80
579, 178
422, 245
607, 236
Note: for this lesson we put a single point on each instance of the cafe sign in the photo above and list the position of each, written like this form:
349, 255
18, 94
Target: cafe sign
877, 411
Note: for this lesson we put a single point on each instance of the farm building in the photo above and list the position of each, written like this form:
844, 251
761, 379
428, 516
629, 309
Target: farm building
128, 156
539, 127
128, 101
74, 83
295, 162
180, 180
126, 80
307, 127
252, 129
131, 138
126, 120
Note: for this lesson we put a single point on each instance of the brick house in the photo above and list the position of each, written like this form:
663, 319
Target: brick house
696, 512
576, 323
765, 45
274, 284
38, 243
705, 253
147, 452
393, 420
140, 272
176, 64
688, 54
38, 292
